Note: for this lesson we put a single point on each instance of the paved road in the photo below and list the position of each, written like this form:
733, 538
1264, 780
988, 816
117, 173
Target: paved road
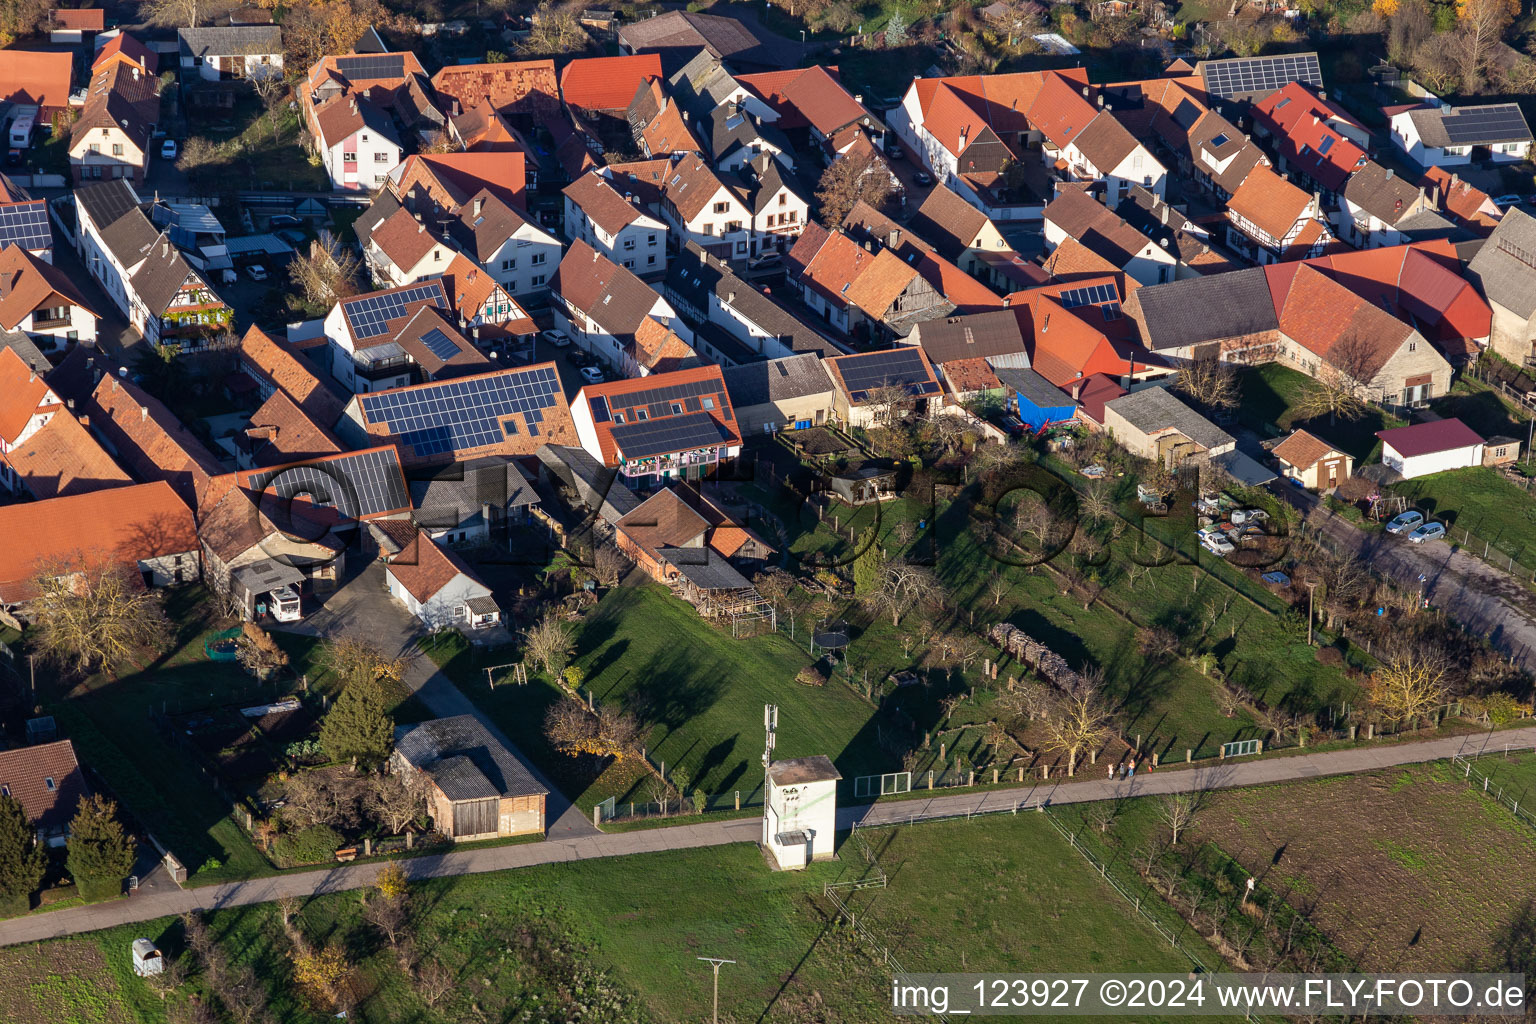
1483, 599
363, 608
142, 907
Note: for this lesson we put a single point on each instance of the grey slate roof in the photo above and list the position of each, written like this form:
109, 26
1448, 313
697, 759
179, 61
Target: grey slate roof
451, 741
460, 492
381, 209
1505, 267
973, 336
1202, 309
692, 274
705, 568
1034, 387
459, 779
1156, 408
23, 346
724, 130
231, 41
161, 276
774, 380
597, 484
113, 206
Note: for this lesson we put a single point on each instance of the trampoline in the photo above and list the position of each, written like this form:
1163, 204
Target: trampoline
834, 637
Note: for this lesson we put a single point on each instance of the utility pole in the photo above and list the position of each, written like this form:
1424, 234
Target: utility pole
1310, 587
715, 962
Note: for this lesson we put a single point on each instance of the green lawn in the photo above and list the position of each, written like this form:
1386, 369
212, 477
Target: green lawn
1483, 409
1269, 395
1480, 500
999, 894
161, 784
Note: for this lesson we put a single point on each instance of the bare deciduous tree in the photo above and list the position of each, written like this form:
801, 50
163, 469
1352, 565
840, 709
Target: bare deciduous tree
328, 272
1079, 721
399, 798
1410, 682
1178, 811
609, 565
900, 587
94, 614
1210, 382
556, 31
548, 642
311, 800
849, 181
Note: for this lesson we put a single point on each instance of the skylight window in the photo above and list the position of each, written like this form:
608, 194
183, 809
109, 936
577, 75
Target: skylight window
1221, 140
1324, 146
1282, 103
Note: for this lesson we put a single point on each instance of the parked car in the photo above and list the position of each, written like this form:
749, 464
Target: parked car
767, 261
894, 153
592, 375
257, 272
559, 339
284, 220
168, 149
577, 358
1217, 544
1429, 531
1508, 199
293, 236
923, 178
1406, 522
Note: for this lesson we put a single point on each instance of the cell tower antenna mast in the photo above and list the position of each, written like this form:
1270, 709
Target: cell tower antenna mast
770, 725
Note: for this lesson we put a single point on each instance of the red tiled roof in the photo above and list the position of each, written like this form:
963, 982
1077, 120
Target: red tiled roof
26, 282
516, 88
1299, 121
1271, 202
23, 393
279, 432
423, 568
1318, 313
607, 83
452, 179
1428, 438
81, 19
1468, 205
276, 365
1060, 112
124, 524
1301, 449
42, 78
149, 439
46, 780
126, 47
62, 458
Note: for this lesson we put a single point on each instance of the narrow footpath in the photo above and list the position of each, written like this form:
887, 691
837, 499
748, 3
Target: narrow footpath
558, 849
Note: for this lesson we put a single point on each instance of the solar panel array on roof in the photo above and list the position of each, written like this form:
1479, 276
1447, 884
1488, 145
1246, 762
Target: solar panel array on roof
1482, 126
1186, 114
372, 65
898, 366
665, 436
26, 225
357, 485
1241, 75
370, 315
1074, 297
658, 401
455, 415
439, 344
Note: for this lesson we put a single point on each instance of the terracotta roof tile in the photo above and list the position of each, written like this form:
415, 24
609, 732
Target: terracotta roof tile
1301, 449
606, 83
522, 89
663, 520
23, 393
880, 283
275, 364
62, 458
37, 77
149, 439
619, 396
403, 239
424, 568
26, 283
1269, 201
46, 780
601, 203
280, 433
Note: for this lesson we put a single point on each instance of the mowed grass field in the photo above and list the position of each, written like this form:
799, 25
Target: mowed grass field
995, 894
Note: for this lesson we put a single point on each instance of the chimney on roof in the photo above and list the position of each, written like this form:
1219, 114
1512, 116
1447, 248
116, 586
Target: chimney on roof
893, 237
420, 227
1391, 174
730, 296
143, 413
479, 205
165, 249
1434, 195
69, 403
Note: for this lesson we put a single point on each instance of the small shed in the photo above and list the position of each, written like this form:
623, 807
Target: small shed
1433, 447
869, 482
1038, 402
1500, 450
800, 811
147, 960
1312, 462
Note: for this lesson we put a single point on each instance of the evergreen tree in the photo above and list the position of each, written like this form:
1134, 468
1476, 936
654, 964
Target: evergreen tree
358, 728
101, 854
22, 860
866, 568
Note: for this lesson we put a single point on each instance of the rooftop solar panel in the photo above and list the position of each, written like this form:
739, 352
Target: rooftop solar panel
1242, 75
372, 65
665, 436
26, 225
439, 344
369, 315
898, 366
356, 485
454, 415
1484, 126
1074, 297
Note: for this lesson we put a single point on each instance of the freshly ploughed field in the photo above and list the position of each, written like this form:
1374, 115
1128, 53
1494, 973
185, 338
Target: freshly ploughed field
1407, 870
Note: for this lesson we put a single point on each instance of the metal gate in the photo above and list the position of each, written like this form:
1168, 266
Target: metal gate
1239, 748
882, 785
